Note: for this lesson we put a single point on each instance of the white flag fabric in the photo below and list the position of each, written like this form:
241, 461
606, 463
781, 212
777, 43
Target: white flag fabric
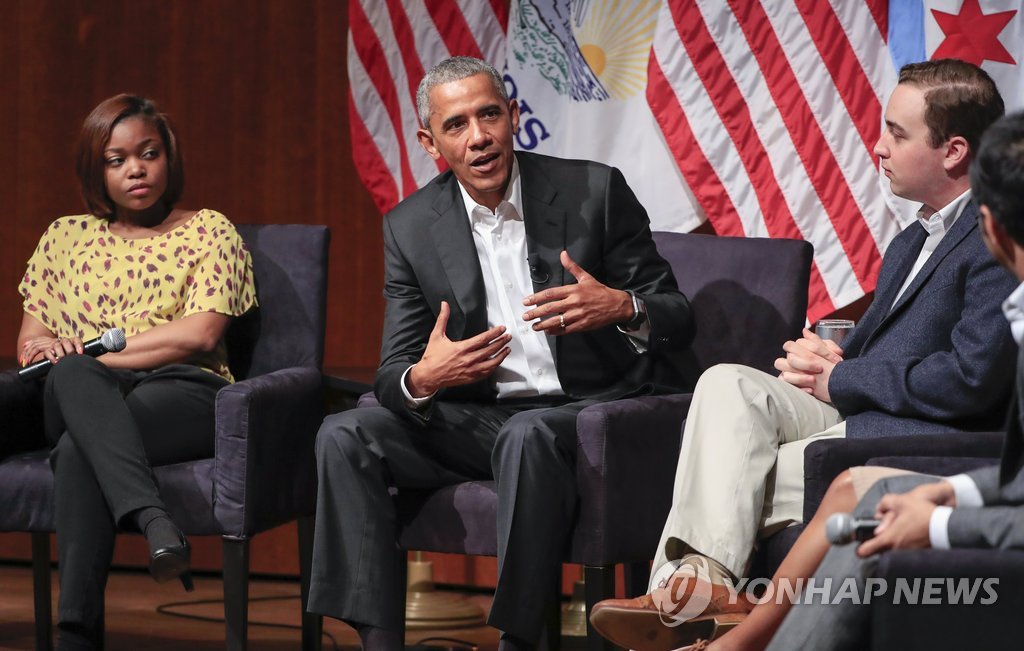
579, 73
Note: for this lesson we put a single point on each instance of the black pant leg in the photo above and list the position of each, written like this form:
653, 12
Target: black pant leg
118, 425
362, 454
125, 422
85, 544
534, 463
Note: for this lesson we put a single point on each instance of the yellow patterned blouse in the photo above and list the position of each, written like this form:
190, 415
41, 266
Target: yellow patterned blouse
83, 280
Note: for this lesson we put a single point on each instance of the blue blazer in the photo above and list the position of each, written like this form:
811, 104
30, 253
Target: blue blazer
942, 359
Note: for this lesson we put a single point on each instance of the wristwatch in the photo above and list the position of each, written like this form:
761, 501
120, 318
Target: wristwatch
639, 312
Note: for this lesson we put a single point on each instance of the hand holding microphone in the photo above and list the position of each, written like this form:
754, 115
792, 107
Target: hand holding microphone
843, 528
111, 341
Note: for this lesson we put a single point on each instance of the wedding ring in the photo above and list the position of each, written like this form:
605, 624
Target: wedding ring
561, 321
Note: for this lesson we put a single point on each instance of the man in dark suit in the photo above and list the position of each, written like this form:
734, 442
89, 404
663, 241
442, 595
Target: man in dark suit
519, 289
982, 508
930, 354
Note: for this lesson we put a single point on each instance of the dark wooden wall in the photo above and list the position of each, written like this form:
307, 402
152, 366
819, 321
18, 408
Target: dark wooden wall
257, 89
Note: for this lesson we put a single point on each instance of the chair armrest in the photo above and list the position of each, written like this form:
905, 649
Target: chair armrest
939, 466
367, 400
991, 620
627, 455
825, 459
21, 414
265, 470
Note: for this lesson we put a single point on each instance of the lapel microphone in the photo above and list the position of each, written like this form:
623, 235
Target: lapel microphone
537, 272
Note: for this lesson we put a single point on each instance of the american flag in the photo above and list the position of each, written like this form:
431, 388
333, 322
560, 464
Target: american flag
769, 109
391, 43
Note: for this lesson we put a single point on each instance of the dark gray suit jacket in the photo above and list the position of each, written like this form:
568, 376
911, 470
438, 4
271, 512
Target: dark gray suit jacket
583, 207
941, 358
1000, 523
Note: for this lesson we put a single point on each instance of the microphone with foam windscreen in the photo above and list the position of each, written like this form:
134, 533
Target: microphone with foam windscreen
842, 528
111, 341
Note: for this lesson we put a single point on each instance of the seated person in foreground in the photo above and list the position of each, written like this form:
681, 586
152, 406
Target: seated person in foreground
932, 353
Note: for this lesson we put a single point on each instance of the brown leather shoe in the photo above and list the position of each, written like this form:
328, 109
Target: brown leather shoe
683, 613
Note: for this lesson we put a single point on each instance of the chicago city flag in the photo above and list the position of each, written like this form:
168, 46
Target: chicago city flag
758, 116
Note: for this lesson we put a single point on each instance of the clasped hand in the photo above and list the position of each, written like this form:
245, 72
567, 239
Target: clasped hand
587, 305
51, 348
808, 364
904, 519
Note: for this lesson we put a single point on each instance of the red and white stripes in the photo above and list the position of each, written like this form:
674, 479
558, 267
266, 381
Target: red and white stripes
771, 110
390, 45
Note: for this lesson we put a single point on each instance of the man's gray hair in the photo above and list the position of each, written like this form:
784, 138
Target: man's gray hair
450, 70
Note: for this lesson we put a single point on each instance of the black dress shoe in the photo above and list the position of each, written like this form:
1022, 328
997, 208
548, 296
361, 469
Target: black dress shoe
172, 562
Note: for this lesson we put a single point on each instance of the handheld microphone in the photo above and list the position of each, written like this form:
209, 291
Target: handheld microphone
111, 341
842, 528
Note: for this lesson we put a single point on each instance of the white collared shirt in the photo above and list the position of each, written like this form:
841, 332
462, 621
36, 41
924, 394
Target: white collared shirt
937, 224
500, 240
1013, 310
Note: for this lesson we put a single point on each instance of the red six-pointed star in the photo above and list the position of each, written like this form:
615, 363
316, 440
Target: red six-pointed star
971, 35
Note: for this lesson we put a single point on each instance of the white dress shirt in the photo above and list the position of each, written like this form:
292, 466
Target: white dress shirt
500, 240
937, 224
966, 491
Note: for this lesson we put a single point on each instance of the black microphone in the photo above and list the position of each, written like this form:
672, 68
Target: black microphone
111, 341
842, 528
538, 269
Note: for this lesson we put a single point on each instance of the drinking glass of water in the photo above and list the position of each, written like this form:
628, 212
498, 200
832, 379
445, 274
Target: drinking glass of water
834, 329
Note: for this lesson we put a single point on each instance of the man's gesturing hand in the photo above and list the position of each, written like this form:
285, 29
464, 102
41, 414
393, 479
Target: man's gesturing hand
447, 363
587, 305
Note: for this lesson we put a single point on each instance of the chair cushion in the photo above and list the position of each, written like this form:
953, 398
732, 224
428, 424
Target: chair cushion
458, 519
26, 482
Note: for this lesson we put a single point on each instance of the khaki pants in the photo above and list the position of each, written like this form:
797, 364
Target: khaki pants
740, 474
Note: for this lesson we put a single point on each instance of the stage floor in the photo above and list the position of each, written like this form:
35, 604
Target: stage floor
134, 623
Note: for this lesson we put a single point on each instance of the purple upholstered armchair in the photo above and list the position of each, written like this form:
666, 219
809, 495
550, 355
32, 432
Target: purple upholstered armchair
749, 295
263, 472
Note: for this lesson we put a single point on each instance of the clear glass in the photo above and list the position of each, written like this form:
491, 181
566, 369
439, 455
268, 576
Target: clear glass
834, 329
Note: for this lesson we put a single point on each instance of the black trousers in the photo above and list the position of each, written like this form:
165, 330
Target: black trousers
358, 570
108, 428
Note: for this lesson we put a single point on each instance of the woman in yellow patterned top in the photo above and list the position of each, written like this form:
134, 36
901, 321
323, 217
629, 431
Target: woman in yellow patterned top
172, 279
